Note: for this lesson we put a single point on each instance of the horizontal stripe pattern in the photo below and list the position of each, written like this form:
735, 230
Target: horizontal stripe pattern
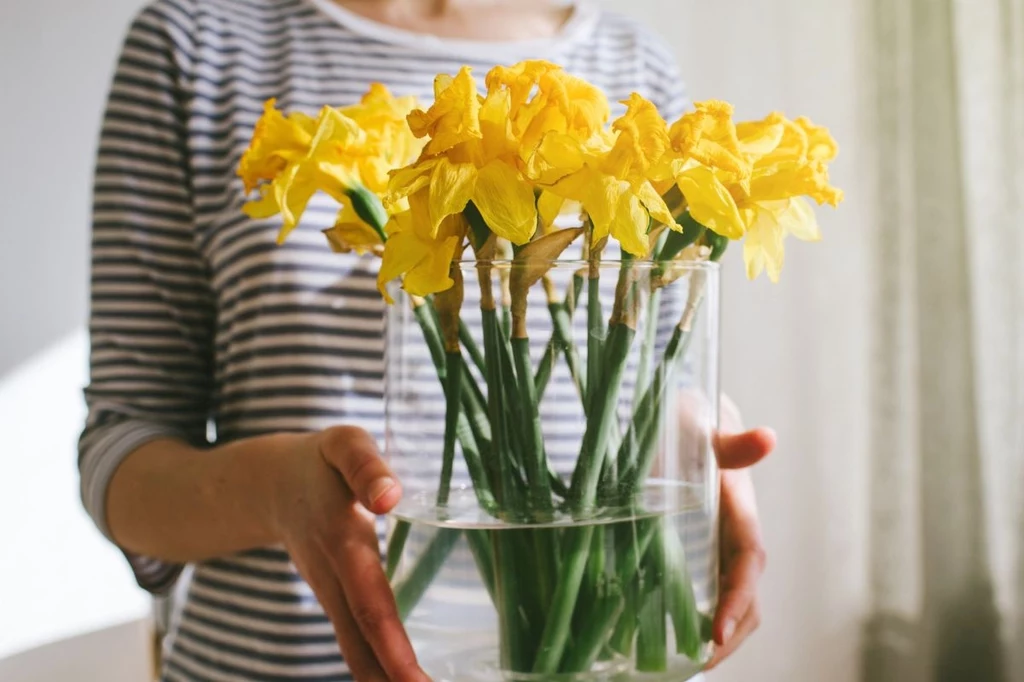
200, 323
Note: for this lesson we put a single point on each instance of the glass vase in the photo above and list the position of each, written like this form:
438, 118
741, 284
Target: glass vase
560, 508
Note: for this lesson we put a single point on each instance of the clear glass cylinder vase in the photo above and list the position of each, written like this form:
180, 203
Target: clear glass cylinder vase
560, 509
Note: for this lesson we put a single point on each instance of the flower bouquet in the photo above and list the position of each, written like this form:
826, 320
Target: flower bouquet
551, 372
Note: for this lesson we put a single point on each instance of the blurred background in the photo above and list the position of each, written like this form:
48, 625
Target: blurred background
890, 359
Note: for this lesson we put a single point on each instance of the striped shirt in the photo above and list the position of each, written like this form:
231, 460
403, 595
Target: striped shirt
198, 318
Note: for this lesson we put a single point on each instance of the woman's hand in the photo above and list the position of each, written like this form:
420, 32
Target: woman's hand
742, 550
323, 510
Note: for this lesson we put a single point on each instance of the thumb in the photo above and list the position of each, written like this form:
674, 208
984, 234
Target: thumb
742, 450
354, 454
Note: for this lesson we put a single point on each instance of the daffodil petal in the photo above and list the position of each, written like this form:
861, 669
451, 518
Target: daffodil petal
264, 207
799, 220
629, 226
402, 252
451, 188
655, 205
344, 237
710, 203
549, 206
432, 273
292, 193
763, 245
506, 202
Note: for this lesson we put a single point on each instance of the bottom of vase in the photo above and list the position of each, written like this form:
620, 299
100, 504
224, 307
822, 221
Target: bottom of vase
466, 660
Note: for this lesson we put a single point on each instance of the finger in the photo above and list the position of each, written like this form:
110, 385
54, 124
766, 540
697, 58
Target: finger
353, 452
742, 450
739, 593
372, 604
361, 660
751, 621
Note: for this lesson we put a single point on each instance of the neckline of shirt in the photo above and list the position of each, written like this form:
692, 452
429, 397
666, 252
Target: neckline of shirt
579, 24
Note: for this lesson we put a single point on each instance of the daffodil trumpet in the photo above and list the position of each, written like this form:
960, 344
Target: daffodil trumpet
473, 192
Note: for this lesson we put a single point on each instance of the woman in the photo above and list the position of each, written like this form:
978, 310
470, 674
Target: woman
199, 322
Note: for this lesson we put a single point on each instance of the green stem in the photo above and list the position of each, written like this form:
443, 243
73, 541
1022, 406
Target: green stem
645, 367
409, 592
469, 343
604, 397
581, 656
630, 555
453, 411
642, 427
681, 601
369, 208
396, 545
595, 334
513, 618
622, 637
428, 325
483, 556
652, 630
472, 424
561, 338
495, 392
556, 627
535, 459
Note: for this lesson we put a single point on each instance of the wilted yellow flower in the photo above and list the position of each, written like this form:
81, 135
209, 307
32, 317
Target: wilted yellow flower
343, 151
276, 141
768, 224
746, 180
329, 163
351, 233
453, 118
421, 257
471, 156
796, 165
544, 98
608, 176
772, 204
389, 141
705, 159
708, 136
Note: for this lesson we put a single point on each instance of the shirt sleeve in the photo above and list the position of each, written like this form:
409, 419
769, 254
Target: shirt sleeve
151, 307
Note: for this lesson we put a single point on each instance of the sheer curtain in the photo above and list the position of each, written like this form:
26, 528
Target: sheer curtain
947, 586
891, 356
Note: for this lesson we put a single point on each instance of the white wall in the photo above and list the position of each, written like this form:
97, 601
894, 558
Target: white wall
58, 576
56, 58
795, 353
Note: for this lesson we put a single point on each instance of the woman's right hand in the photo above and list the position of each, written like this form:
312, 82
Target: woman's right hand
325, 498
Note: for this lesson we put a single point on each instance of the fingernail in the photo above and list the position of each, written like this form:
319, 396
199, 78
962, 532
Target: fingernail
380, 488
727, 630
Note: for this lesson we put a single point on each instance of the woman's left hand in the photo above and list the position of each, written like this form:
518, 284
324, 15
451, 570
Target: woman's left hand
742, 550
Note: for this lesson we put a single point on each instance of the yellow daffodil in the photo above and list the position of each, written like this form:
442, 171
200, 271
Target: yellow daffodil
389, 143
343, 152
421, 257
796, 165
453, 118
350, 233
772, 204
705, 159
768, 224
471, 156
608, 176
544, 98
747, 180
708, 136
329, 163
277, 140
